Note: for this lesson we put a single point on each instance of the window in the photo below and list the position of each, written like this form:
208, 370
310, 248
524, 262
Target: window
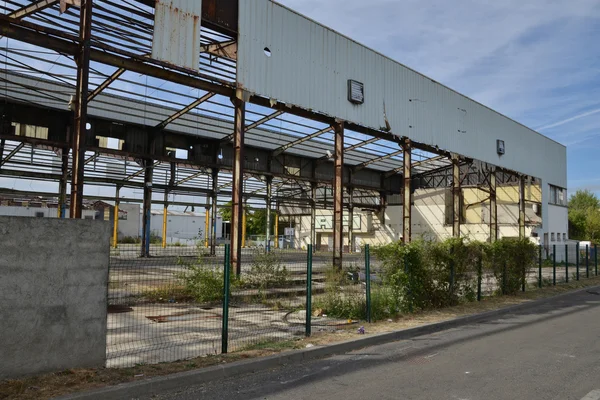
558, 237
558, 196
552, 237
39, 214
564, 237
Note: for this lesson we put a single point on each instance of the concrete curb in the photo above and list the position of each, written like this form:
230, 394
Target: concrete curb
173, 382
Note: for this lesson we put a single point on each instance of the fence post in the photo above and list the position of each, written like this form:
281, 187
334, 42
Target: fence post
309, 263
504, 279
368, 280
225, 319
451, 282
567, 262
554, 265
479, 275
587, 260
596, 258
577, 259
540, 268
409, 291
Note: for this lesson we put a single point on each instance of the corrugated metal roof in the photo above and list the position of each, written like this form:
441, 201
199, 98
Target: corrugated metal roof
176, 36
309, 65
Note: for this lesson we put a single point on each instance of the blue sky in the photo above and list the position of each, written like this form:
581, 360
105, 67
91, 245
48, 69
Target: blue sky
536, 61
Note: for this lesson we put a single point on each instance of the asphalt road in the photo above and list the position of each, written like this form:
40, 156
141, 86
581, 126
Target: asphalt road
552, 352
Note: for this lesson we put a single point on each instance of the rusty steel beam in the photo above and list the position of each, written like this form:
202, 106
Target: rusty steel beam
11, 154
2, 145
351, 248
147, 207
189, 178
237, 182
91, 158
522, 207
138, 173
338, 196
268, 207
115, 75
493, 207
361, 144
32, 9
456, 197
226, 49
417, 164
65, 43
374, 160
253, 125
296, 142
185, 110
80, 117
407, 192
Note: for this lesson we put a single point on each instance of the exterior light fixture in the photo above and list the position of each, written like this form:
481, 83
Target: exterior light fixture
500, 149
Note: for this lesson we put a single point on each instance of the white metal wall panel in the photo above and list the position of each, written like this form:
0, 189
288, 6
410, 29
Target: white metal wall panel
309, 66
177, 32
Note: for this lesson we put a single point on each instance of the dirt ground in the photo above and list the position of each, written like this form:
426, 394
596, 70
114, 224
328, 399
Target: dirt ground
70, 381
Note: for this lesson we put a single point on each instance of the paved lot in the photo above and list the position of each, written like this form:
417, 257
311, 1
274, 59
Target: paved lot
551, 352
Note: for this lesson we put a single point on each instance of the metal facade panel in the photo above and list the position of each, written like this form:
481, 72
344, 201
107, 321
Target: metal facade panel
309, 65
177, 32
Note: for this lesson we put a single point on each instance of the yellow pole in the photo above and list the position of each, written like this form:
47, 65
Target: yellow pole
244, 228
115, 227
164, 232
276, 231
206, 228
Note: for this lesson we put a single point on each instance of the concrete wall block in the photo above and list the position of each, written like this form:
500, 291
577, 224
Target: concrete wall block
53, 287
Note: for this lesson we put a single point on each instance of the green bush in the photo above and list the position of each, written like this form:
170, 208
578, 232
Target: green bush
266, 271
511, 259
341, 299
202, 282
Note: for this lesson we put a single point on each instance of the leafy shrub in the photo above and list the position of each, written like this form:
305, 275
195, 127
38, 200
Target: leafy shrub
511, 259
204, 283
341, 299
266, 271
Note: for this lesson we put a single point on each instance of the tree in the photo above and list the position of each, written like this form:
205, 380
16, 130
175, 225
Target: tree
584, 214
256, 222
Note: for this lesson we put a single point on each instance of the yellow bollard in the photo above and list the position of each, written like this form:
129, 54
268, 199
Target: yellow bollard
206, 228
115, 227
164, 231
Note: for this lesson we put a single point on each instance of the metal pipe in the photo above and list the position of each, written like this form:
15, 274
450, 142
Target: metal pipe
62, 185
407, 193
522, 207
456, 197
244, 211
116, 220
206, 227
215, 190
164, 227
147, 206
268, 211
338, 196
276, 229
81, 95
238, 173
313, 217
493, 208
350, 221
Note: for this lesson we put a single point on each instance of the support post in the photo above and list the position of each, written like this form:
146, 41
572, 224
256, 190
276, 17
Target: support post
166, 205
62, 186
276, 228
493, 208
587, 261
207, 226
351, 248
244, 216
237, 185
577, 259
213, 221
338, 196
566, 263
147, 207
368, 280
553, 265
406, 192
309, 262
313, 217
268, 211
116, 219
81, 95
225, 312
522, 207
540, 266
456, 197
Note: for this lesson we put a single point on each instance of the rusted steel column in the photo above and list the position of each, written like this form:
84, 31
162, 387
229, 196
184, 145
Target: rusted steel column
62, 185
338, 195
2, 144
406, 191
80, 121
268, 211
351, 248
313, 216
237, 184
147, 207
116, 218
493, 207
213, 217
521, 207
456, 197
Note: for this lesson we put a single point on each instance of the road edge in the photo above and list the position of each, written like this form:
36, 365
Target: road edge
176, 381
